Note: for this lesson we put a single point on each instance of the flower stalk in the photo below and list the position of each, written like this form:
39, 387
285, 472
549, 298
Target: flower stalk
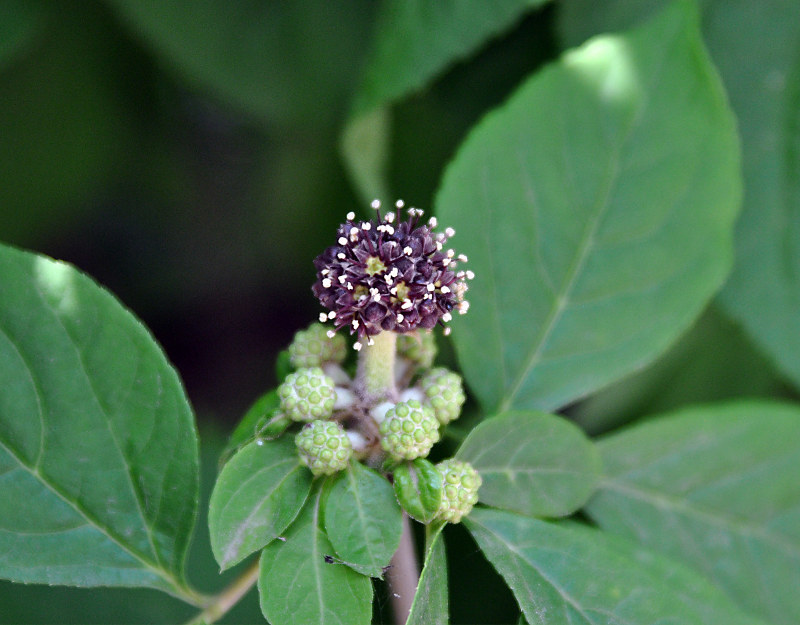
375, 381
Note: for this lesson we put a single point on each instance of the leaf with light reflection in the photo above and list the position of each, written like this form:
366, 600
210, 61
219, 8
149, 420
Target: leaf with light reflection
98, 450
596, 207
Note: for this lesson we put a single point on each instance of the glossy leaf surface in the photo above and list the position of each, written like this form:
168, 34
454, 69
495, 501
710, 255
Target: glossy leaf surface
572, 201
762, 81
574, 574
363, 520
98, 450
533, 463
257, 495
298, 586
718, 488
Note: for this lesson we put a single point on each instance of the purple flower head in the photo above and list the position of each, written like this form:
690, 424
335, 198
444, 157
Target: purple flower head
386, 276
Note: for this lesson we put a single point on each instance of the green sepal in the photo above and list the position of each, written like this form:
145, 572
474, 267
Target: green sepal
418, 488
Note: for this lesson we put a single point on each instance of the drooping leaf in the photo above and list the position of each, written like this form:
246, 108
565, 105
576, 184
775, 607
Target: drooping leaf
717, 487
257, 495
430, 605
298, 586
418, 488
280, 61
533, 463
574, 574
571, 202
98, 449
762, 81
363, 520
414, 42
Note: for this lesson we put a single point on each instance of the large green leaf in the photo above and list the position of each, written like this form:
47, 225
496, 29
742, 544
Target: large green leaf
280, 61
430, 605
363, 520
415, 41
574, 574
763, 82
257, 495
532, 462
718, 487
300, 585
98, 450
596, 208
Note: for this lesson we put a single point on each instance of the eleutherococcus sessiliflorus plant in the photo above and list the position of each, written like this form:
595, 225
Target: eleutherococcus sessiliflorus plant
598, 207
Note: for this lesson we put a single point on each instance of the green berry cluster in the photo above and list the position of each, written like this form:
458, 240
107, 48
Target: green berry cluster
460, 484
444, 392
418, 347
324, 447
313, 347
409, 430
307, 394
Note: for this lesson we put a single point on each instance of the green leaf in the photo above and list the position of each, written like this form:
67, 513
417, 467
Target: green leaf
298, 586
260, 421
596, 207
98, 449
763, 292
363, 520
533, 463
415, 41
418, 488
430, 605
258, 494
292, 62
717, 487
574, 574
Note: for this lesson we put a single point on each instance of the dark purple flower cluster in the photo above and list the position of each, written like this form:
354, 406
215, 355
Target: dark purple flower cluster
381, 276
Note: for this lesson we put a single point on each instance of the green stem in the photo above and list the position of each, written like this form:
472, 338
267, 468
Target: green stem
228, 598
375, 376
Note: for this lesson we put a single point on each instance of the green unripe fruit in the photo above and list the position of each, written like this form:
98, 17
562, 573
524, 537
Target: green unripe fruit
324, 447
460, 484
307, 394
419, 347
444, 392
312, 347
409, 430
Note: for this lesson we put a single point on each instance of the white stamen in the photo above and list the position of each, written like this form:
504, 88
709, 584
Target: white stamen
330, 334
349, 286
342, 279
370, 341
447, 317
389, 218
388, 279
399, 204
446, 261
376, 204
430, 287
439, 246
463, 307
393, 290
462, 258
407, 250
366, 225
353, 231
342, 241
445, 289
451, 253
325, 272
326, 282
355, 324
332, 315
447, 331
432, 222
351, 216
323, 317
406, 305
340, 256
394, 272
400, 317
449, 232
470, 274
357, 346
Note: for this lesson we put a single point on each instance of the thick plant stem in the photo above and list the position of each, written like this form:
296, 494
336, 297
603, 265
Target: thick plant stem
403, 576
228, 598
375, 376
